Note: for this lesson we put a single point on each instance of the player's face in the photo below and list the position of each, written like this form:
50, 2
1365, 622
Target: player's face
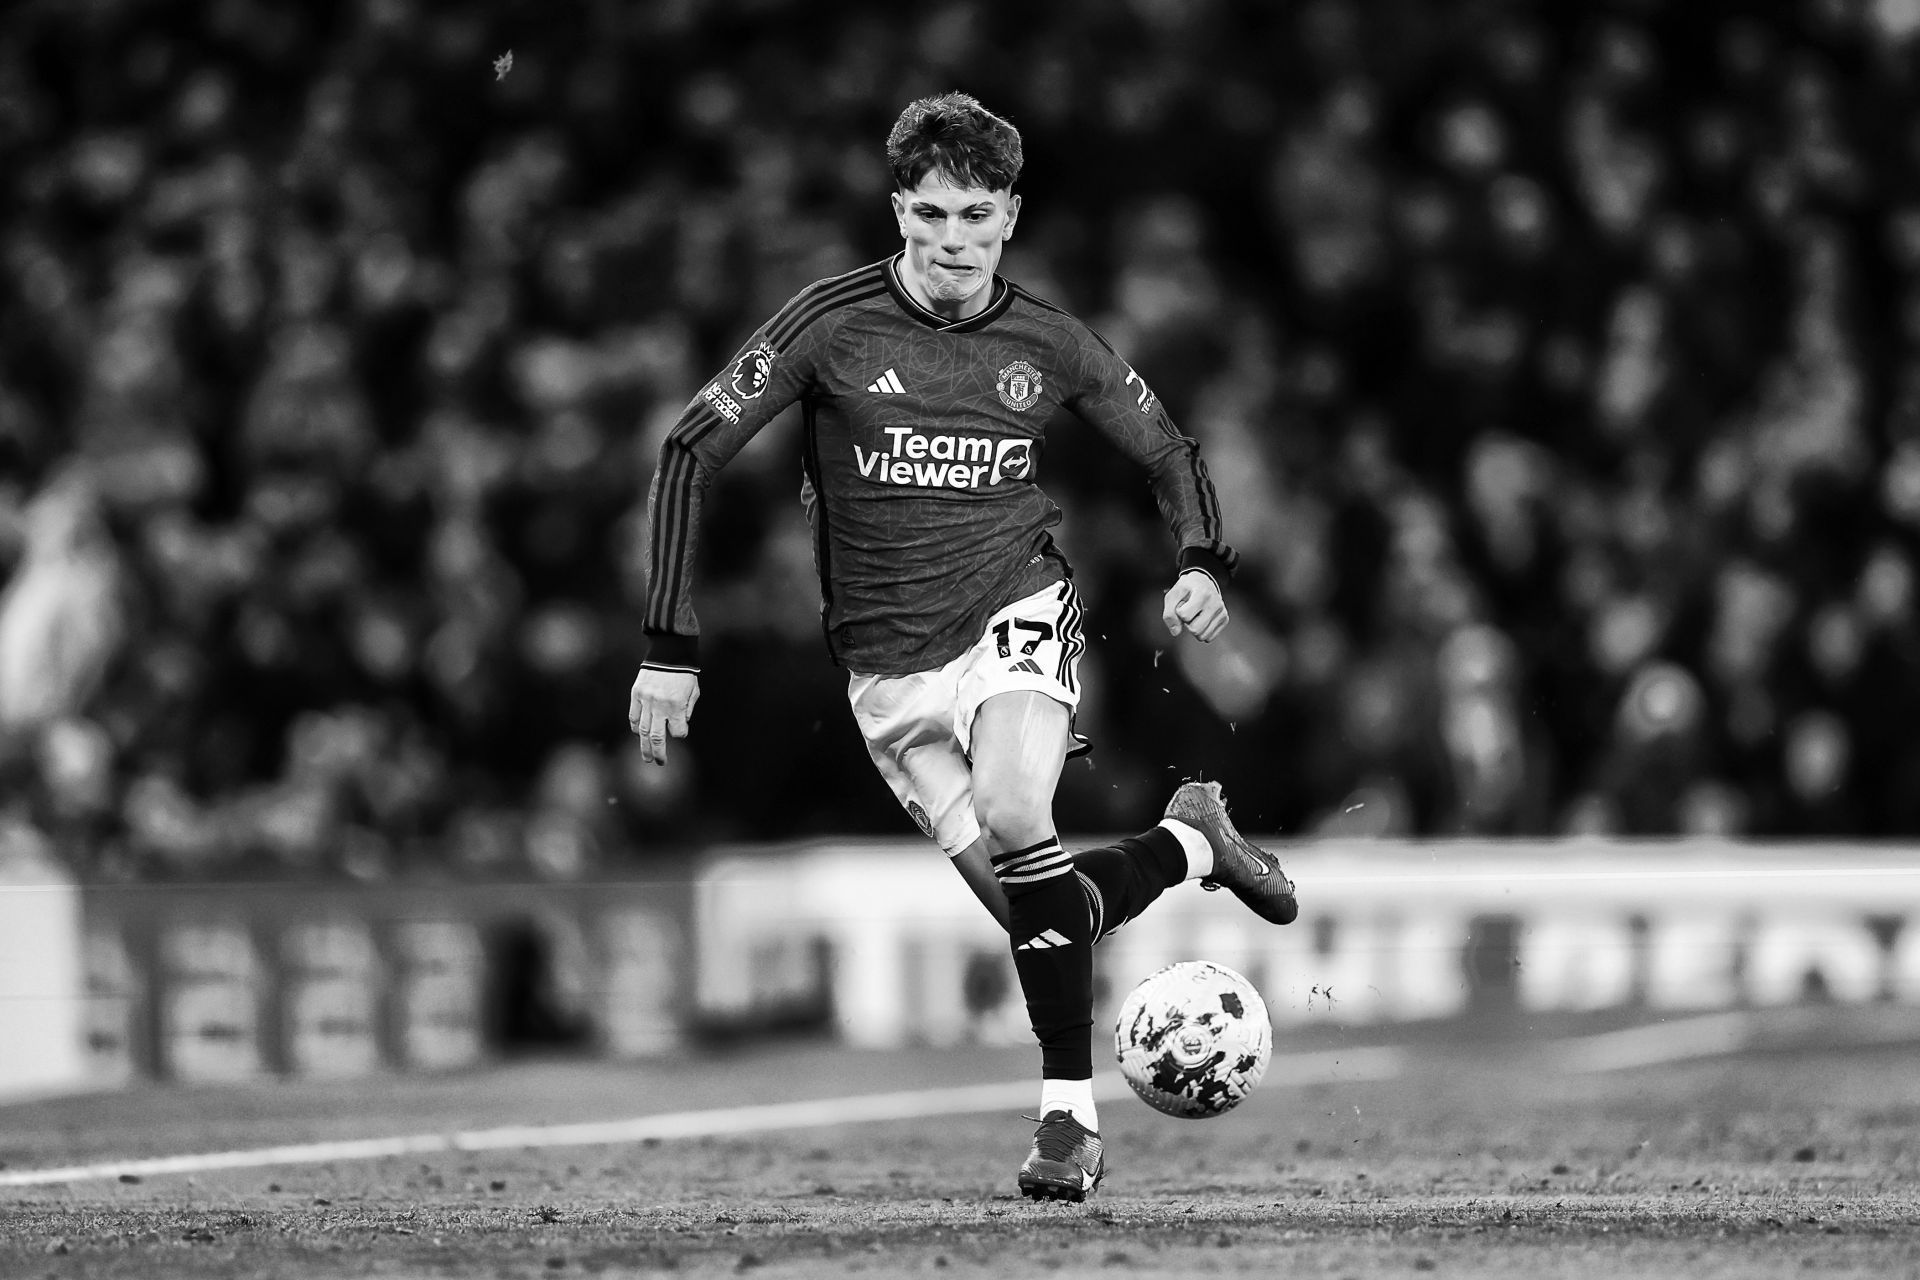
954, 236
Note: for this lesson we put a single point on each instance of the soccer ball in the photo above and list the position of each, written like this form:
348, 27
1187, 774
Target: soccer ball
1194, 1039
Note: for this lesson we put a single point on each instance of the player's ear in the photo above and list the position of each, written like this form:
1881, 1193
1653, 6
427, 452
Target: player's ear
1013, 216
899, 211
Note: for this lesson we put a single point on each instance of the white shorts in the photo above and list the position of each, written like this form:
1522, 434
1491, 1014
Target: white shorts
919, 727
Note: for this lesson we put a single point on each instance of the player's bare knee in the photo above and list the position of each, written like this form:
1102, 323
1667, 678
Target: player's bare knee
1012, 818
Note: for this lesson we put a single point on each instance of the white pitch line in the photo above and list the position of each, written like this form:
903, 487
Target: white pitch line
1286, 1069
1707, 1036
1741, 874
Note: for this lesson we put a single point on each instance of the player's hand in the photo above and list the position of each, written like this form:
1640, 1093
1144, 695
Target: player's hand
1194, 604
661, 704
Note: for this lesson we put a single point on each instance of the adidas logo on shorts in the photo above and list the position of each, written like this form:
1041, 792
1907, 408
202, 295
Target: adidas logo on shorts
1044, 942
1027, 665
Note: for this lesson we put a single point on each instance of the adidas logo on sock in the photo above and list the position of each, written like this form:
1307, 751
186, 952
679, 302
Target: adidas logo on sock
887, 384
1044, 942
1027, 665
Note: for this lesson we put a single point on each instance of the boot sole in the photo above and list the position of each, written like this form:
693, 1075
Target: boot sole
1035, 1189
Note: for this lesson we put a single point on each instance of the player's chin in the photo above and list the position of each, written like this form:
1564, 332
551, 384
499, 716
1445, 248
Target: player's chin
956, 288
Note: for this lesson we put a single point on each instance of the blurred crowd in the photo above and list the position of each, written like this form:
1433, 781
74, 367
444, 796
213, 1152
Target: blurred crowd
1556, 364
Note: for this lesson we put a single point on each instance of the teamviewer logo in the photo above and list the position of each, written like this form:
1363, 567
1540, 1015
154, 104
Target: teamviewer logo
1012, 460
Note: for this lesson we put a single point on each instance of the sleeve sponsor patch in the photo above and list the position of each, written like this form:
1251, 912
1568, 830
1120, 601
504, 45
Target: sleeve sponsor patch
724, 404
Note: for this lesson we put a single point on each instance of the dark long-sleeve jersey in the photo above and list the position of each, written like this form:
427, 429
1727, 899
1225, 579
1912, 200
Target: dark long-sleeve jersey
923, 439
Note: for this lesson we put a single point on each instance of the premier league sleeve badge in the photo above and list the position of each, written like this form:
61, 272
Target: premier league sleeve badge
751, 372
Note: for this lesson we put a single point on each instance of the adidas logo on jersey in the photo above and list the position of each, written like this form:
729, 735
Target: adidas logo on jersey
1027, 665
887, 384
1044, 942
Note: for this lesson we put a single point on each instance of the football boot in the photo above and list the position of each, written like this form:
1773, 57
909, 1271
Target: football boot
1066, 1162
1253, 874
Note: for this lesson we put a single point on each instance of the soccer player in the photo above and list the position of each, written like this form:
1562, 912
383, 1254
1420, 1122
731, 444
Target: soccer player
926, 381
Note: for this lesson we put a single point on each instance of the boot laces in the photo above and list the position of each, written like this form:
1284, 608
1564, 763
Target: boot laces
1058, 1139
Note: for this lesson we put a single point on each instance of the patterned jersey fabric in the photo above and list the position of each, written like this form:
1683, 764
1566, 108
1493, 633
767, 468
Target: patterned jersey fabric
923, 445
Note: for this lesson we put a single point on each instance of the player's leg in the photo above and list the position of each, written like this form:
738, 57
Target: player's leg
975, 865
1013, 716
1019, 741
1194, 841
1119, 881
907, 722
933, 782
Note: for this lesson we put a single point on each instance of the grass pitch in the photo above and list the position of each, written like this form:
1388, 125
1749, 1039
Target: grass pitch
1483, 1160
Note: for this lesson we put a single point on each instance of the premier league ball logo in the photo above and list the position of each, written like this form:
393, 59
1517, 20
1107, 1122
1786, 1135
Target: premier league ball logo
1019, 386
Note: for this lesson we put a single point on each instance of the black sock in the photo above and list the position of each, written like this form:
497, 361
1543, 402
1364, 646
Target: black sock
1052, 938
1121, 880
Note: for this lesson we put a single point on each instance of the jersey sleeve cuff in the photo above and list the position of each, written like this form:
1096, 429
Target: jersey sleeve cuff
669, 652
1211, 563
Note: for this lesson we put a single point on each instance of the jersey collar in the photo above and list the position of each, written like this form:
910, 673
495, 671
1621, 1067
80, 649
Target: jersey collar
996, 304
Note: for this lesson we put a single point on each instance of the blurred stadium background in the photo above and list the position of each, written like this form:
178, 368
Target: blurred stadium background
1555, 362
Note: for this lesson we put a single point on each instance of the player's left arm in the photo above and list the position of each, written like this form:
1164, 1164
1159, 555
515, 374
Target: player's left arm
1195, 604
1116, 401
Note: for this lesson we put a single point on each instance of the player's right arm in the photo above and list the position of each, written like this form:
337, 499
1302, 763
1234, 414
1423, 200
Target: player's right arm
729, 410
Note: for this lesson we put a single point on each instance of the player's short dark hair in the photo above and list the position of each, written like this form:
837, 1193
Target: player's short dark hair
954, 134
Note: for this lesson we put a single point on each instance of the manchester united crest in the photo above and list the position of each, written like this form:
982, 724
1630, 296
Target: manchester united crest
1019, 386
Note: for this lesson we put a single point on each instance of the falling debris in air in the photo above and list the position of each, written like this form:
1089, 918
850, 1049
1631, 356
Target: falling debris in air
502, 65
